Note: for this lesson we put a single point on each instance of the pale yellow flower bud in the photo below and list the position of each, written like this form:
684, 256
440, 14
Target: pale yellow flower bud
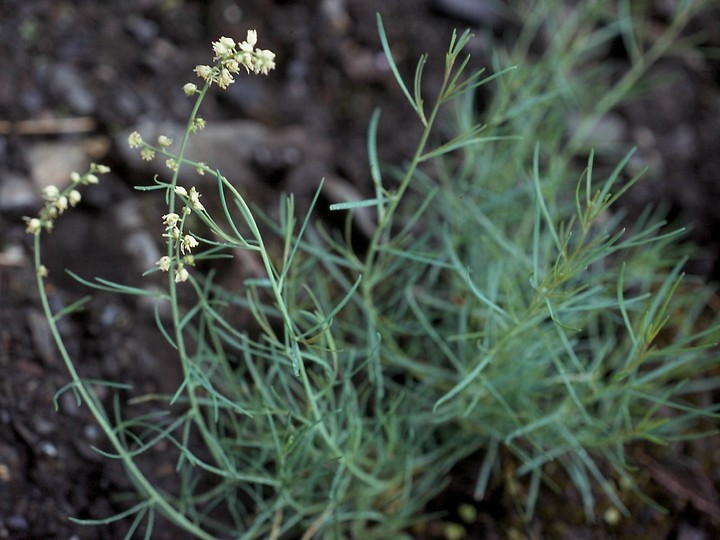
179, 190
189, 89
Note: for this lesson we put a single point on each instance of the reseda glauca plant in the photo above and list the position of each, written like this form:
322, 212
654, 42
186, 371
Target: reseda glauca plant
367, 375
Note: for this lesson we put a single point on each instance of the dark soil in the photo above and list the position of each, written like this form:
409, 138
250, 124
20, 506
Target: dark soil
110, 65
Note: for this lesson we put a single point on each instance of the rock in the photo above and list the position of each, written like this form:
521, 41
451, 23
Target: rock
17, 522
139, 245
225, 146
53, 162
68, 85
17, 194
247, 153
42, 338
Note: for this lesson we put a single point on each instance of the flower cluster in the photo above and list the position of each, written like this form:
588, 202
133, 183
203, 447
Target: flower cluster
229, 57
57, 201
174, 232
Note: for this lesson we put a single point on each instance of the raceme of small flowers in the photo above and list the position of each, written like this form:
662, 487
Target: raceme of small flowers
148, 152
57, 200
175, 233
229, 57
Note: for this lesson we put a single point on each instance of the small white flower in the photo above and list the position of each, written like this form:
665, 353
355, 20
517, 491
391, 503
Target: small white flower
33, 225
74, 197
189, 89
188, 243
225, 79
42, 271
99, 168
164, 141
51, 193
251, 38
195, 199
232, 66
75, 177
245, 59
179, 190
164, 263
173, 233
61, 203
181, 274
134, 140
203, 71
147, 154
171, 219
198, 124
91, 179
264, 61
223, 46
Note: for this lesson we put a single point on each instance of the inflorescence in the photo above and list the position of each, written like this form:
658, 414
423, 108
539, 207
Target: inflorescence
229, 58
57, 200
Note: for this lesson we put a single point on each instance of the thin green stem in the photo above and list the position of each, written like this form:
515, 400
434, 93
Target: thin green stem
141, 481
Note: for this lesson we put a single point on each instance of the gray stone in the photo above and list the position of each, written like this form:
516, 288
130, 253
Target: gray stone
17, 194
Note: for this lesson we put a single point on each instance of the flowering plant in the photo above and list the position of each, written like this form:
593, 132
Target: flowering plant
498, 309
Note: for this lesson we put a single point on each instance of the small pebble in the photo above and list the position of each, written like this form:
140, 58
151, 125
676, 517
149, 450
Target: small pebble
17, 523
17, 194
43, 426
48, 449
